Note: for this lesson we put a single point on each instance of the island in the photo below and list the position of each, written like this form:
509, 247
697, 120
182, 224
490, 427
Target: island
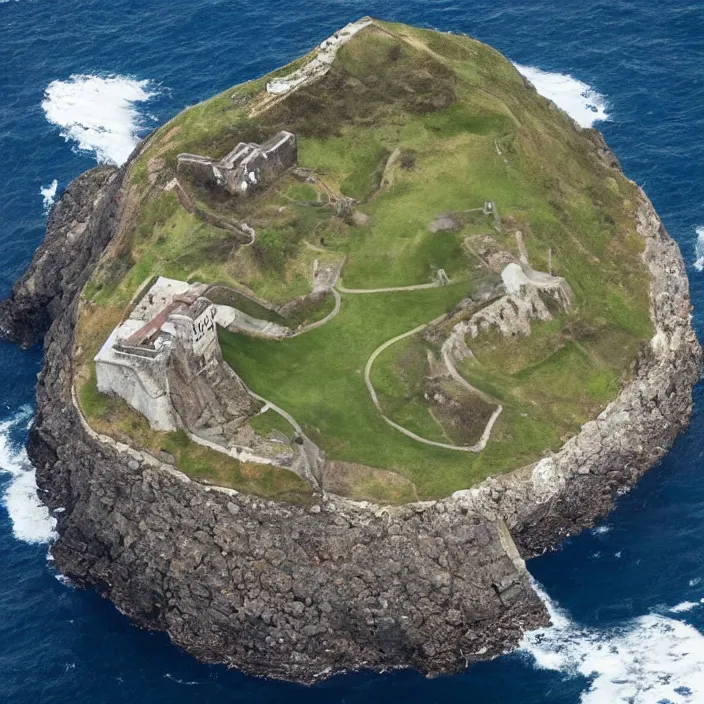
337, 350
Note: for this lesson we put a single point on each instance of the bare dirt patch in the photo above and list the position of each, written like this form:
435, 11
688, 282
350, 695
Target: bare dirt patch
363, 483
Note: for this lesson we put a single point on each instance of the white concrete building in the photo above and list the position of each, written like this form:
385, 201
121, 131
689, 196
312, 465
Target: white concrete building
132, 364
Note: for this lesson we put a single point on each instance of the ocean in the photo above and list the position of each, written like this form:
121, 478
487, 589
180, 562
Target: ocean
82, 80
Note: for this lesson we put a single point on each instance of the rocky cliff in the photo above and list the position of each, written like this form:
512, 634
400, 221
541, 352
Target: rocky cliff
79, 228
299, 593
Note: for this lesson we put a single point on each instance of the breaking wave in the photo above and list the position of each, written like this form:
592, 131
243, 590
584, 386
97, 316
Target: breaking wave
699, 250
602, 529
684, 606
31, 520
579, 100
48, 193
651, 660
98, 113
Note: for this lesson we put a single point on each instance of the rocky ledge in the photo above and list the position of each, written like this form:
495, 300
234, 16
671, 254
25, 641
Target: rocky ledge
299, 593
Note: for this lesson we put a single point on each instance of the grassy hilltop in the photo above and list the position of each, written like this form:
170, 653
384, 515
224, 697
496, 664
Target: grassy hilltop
411, 124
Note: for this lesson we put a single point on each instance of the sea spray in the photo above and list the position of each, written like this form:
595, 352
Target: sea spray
98, 113
650, 660
31, 520
580, 101
48, 194
699, 249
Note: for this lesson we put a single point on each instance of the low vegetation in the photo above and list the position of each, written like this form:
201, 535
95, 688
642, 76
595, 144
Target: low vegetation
426, 401
410, 124
112, 416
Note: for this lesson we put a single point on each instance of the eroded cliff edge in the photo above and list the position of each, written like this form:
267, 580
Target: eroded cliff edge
79, 228
302, 592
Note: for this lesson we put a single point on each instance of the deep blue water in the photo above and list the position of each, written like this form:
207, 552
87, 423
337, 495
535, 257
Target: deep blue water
615, 587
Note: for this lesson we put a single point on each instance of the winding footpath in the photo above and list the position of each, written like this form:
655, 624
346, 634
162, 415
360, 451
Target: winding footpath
336, 290
326, 319
486, 434
441, 280
308, 445
394, 289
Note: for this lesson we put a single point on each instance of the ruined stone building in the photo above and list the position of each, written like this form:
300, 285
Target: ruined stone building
246, 168
164, 360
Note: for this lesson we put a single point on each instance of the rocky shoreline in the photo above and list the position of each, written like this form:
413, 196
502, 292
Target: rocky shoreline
300, 593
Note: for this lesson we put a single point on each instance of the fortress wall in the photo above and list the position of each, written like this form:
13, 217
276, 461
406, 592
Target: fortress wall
205, 333
281, 151
142, 384
197, 169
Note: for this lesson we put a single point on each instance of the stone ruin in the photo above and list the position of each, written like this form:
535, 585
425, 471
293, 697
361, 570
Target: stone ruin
246, 169
523, 296
134, 363
321, 62
164, 360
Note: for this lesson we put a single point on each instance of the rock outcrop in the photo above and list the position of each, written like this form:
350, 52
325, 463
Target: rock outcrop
301, 592
79, 228
563, 494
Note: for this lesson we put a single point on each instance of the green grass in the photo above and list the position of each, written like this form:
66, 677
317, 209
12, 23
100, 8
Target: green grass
112, 416
561, 377
310, 311
401, 379
229, 297
270, 421
318, 378
470, 131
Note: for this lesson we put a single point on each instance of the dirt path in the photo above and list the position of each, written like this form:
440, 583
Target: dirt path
477, 447
418, 287
308, 446
315, 248
387, 178
442, 280
242, 230
450, 365
326, 319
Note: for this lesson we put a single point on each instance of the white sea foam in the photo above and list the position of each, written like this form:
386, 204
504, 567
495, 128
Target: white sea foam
169, 676
579, 100
98, 113
651, 660
699, 250
684, 606
603, 529
48, 193
31, 521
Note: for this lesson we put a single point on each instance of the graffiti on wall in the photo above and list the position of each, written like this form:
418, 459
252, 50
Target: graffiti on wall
203, 329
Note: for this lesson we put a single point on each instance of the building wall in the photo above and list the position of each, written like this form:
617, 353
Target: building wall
285, 151
141, 383
199, 171
204, 331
